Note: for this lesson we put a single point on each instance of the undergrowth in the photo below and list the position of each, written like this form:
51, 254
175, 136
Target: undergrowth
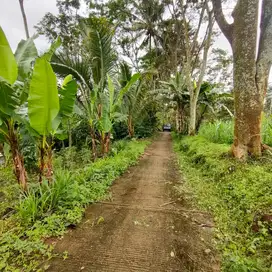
239, 197
222, 131
48, 210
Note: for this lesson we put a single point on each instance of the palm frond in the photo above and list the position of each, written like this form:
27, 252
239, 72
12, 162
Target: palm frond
98, 34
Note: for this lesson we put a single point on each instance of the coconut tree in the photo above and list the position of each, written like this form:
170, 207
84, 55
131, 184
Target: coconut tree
176, 91
21, 2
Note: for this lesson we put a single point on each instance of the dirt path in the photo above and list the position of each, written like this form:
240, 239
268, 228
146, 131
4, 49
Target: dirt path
142, 227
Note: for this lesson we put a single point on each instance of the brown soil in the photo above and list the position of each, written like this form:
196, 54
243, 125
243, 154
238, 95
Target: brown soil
145, 226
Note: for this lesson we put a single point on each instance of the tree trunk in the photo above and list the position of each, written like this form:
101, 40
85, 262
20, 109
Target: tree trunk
249, 76
248, 100
42, 162
69, 134
92, 132
130, 127
179, 119
21, 2
18, 162
107, 143
192, 119
49, 160
201, 118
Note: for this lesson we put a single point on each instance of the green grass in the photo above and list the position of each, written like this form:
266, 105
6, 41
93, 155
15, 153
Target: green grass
48, 210
218, 132
237, 194
222, 131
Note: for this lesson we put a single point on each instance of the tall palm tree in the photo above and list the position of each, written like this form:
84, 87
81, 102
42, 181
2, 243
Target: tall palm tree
146, 19
21, 2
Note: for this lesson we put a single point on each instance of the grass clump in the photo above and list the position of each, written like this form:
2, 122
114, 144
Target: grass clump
221, 132
48, 209
239, 197
218, 132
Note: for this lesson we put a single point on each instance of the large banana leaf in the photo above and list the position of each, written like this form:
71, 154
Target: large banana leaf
8, 99
43, 100
124, 90
25, 54
68, 96
8, 65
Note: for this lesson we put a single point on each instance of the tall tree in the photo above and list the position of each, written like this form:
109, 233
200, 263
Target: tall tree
194, 64
21, 2
250, 74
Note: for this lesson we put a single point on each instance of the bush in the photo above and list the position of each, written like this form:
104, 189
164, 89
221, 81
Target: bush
237, 194
221, 132
218, 132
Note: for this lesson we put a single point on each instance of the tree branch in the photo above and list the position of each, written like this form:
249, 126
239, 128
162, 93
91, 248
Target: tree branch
265, 48
226, 28
264, 59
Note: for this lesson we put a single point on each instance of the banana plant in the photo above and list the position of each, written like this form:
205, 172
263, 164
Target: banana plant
14, 74
111, 110
48, 106
133, 100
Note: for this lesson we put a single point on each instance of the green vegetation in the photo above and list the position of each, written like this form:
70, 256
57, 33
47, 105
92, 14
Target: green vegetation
221, 132
70, 117
47, 210
237, 194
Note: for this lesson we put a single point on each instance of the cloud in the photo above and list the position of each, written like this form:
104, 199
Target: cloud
12, 23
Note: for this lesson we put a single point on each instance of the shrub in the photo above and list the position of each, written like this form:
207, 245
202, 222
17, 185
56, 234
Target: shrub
218, 132
222, 131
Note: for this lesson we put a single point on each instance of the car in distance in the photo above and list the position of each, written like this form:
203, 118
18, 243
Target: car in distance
166, 127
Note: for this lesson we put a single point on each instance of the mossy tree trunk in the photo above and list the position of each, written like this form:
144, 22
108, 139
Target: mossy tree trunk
249, 75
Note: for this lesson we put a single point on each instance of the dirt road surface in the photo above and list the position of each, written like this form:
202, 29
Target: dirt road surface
145, 226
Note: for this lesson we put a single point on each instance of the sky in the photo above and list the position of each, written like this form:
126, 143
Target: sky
12, 23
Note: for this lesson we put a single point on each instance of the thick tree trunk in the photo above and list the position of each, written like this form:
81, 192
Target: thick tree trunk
248, 102
21, 2
248, 99
250, 76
